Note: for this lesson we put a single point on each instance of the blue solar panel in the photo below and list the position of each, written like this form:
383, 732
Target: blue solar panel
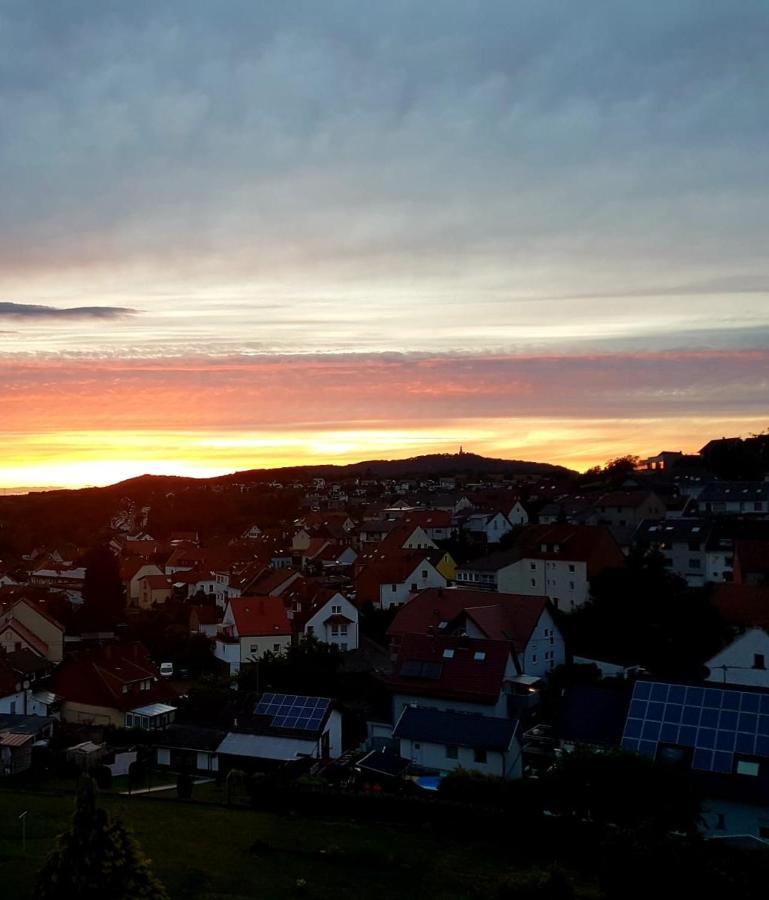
293, 711
715, 723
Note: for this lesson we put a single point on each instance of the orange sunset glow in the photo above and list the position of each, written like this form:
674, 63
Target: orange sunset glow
264, 240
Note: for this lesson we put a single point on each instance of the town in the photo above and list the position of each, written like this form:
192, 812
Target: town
427, 630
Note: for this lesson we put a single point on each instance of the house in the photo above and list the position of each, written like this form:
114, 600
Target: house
745, 660
116, 684
719, 733
443, 740
556, 561
391, 579
751, 562
332, 619
435, 523
734, 498
205, 620
132, 571
284, 728
251, 627
623, 511
407, 536
154, 590
451, 672
18, 735
25, 625
525, 622
188, 748
517, 514
491, 527
184, 556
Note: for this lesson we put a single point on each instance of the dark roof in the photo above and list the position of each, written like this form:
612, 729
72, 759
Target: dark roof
190, 737
24, 724
591, 714
438, 726
592, 544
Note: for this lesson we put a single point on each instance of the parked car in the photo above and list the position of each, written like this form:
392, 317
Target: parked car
166, 670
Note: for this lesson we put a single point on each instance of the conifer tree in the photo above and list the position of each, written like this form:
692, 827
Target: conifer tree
96, 859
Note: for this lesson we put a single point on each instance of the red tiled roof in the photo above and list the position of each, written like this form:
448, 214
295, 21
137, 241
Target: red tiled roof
395, 567
97, 678
29, 637
464, 676
501, 617
156, 582
258, 616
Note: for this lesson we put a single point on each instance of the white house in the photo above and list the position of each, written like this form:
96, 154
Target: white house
335, 622
393, 579
286, 727
251, 627
555, 561
492, 526
744, 661
442, 741
517, 514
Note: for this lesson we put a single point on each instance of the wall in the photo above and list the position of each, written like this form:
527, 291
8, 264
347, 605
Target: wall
738, 657
97, 715
549, 578
389, 597
433, 756
533, 660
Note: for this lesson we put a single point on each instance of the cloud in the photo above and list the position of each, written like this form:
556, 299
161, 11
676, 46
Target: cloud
9, 310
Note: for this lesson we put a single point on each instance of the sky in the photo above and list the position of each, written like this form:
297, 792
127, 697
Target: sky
241, 234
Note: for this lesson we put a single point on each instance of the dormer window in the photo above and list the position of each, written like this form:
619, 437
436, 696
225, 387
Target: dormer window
443, 624
479, 656
448, 653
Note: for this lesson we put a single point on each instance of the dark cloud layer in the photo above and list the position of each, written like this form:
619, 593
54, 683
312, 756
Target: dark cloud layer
38, 312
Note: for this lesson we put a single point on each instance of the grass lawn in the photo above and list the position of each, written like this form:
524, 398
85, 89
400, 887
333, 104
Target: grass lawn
207, 851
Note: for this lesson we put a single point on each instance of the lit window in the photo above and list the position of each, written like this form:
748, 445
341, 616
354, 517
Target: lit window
448, 654
479, 656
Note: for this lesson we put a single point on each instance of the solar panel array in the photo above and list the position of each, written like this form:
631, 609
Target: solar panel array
715, 723
291, 711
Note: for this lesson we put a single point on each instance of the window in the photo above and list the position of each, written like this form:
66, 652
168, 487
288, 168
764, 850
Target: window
747, 767
533, 582
452, 752
479, 755
571, 585
336, 610
479, 656
310, 629
334, 630
572, 567
534, 658
758, 661
395, 587
424, 573
276, 648
254, 648
448, 653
